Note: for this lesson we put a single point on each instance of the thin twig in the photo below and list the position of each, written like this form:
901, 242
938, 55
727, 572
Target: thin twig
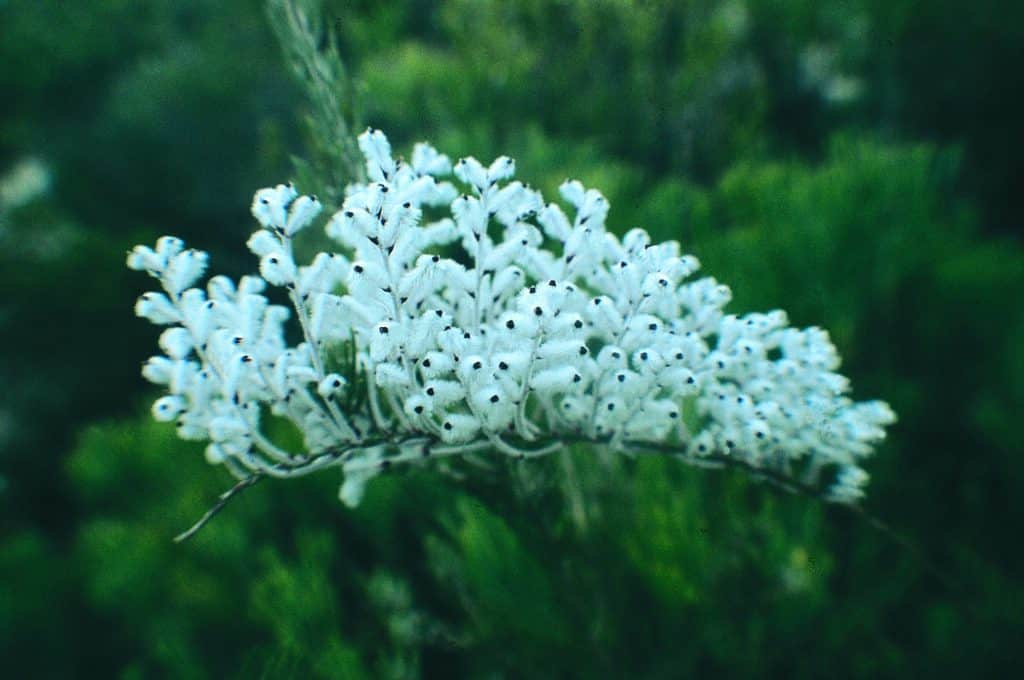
242, 485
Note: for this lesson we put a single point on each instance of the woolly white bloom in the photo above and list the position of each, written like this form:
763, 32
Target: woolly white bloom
505, 324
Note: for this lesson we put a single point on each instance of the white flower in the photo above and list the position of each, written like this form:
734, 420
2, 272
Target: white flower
505, 324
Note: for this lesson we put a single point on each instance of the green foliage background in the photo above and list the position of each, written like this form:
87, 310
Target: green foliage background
854, 162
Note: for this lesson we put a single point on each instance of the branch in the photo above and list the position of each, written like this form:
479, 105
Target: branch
242, 485
312, 464
777, 479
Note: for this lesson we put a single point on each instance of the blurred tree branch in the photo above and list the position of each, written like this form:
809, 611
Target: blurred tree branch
311, 53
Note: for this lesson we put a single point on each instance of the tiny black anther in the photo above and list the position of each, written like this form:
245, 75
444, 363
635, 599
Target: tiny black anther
502, 365
435, 258
448, 426
652, 327
495, 398
477, 365
430, 391
383, 330
621, 377
538, 311
426, 362
510, 324
578, 324
643, 356
418, 409
358, 269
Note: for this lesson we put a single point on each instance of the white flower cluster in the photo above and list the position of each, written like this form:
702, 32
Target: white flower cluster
488, 320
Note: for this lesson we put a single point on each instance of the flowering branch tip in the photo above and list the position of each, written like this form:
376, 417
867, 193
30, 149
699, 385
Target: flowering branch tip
462, 312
